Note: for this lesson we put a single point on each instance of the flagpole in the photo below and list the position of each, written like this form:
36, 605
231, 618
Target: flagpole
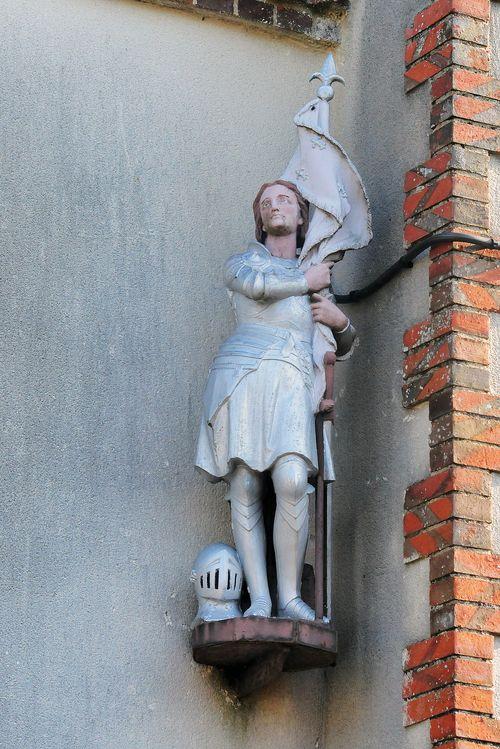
325, 93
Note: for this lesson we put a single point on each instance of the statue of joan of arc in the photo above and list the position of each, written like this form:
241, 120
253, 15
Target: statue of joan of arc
267, 380
259, 400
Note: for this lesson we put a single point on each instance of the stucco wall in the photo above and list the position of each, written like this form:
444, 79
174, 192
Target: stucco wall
134, 139
381, 603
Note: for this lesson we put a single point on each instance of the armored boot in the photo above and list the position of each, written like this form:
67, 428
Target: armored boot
247, 522
291, 528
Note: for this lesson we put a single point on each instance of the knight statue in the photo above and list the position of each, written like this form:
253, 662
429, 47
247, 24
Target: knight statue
267, 380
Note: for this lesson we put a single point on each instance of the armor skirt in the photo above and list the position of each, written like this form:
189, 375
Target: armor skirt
269, 413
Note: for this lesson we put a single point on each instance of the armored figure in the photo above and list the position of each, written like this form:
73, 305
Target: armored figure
259, 401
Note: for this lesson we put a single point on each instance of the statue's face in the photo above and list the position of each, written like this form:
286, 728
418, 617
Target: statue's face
279, 211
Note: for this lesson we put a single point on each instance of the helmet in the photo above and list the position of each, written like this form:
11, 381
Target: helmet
217, 575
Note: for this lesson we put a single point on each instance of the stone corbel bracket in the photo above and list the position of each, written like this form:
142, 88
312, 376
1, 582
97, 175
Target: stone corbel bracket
313, 21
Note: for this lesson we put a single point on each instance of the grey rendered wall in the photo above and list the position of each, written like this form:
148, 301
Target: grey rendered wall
382, 605
133, 141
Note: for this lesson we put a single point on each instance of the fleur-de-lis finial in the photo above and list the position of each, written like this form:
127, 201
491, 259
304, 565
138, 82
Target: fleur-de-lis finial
327, 75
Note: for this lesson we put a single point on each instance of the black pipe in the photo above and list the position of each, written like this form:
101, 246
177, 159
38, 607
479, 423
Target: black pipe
406, 261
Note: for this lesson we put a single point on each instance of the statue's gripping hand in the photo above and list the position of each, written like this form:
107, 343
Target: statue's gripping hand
325, 311
318, 276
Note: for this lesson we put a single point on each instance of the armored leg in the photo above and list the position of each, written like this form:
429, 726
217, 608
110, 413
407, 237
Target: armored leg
291, 527
247, 521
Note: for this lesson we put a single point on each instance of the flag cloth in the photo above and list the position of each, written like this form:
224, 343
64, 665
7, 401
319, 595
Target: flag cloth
340, 217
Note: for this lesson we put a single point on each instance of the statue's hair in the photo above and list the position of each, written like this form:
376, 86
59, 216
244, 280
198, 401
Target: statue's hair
260, 234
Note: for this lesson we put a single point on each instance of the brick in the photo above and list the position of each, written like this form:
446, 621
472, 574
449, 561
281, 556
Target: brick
460, 588
441, 8
293, 20
455, 52
466, 375
476, 454
431, 168
468, 160
473, 295
428, 514
422, 225
428, 541
462, 374
449, 671
428, 66
465, 562
444, 322
466, 616
453, 479
479, 403
426, 357
452, 27
470, 30
454, 346
468, 401
471, 534
462, 321
465, 81
465, 452
456, 532
454, 157
466, 726
465, 266
471, 507
421, 71
224, 7
470, 55
461, 210
253, 10
452, 292
454, 505
465, 426
453, 697
442, 455
418, 334
464, 744
427, 41
467, 186
443, 248
420, 388
439, 217
425, 197
484, 111
453, 642
459, 321
413, 233
466, 133
478, 296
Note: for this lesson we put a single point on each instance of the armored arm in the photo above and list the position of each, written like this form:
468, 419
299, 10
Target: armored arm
345, 339
257, 279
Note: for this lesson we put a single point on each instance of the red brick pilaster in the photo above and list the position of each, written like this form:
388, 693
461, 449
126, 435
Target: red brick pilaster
448, 677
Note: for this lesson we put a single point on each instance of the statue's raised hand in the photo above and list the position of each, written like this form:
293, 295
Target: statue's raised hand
318, 276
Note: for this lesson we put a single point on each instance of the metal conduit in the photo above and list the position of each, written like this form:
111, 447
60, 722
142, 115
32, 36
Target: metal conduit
406, 261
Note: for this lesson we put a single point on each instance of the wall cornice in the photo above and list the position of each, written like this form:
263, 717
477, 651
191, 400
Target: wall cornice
312, 21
